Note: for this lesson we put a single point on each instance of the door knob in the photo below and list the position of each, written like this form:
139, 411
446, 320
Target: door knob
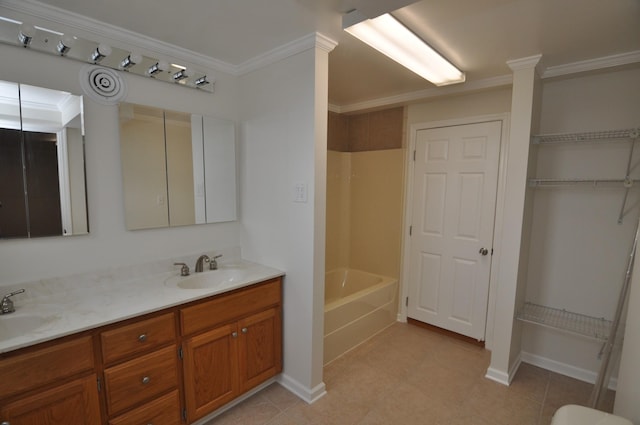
483, 251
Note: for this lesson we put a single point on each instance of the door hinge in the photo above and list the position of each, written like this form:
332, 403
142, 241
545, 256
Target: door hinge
99, 384
491, 251
406, 302
414, 155
410, 230
184, 415
180, 353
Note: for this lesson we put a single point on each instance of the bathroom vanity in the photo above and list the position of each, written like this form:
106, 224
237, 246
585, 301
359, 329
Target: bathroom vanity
199, 349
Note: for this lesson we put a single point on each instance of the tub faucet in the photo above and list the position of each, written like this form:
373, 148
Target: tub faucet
6, 305
202, 259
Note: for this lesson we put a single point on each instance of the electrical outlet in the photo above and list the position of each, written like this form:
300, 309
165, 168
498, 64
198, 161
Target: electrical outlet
300, 192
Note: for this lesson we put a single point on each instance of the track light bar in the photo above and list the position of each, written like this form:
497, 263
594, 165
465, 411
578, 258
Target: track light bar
387, 35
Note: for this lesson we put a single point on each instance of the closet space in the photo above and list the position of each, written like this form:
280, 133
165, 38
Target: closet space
582, 209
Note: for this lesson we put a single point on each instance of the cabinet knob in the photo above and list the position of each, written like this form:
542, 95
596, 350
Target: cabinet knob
142, 338
245, 330
234, 334
146, 380
5, 423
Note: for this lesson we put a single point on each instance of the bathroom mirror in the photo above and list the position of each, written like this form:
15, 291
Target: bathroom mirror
42, 168
177, 168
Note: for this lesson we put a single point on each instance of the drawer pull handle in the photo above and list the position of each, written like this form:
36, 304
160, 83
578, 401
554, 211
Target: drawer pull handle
245, 330
142, 338
234, 334
146, 380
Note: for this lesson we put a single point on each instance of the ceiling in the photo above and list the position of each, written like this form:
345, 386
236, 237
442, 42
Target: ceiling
478, 36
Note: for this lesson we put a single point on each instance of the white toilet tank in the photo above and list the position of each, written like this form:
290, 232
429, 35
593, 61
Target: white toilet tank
580, 415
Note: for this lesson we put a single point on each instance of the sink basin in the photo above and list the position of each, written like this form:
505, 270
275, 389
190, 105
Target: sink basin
210, 279
12, 326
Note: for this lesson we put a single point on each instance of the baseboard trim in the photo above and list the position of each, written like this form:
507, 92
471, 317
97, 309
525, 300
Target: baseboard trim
309, 395
501, 377
565, 369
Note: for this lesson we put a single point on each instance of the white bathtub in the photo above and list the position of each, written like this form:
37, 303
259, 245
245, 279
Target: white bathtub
357, 306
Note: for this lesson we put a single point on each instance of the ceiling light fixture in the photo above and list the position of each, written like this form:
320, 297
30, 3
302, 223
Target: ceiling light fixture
65, 44
101, 52
160, 66
130, 60
387, 35
182, 74
26, 33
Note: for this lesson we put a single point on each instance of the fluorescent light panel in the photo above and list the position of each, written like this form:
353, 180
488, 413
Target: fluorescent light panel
390, 37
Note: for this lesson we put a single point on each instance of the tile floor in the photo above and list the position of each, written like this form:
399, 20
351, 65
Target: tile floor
410, 375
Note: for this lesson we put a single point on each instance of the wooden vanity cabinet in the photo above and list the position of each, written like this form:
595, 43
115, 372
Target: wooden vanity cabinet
236, 345
51, 385
129, 373
141, 367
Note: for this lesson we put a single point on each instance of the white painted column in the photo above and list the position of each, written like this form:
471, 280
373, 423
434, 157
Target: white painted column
510, 287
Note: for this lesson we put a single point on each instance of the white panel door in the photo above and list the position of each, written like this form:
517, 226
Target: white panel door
454, 196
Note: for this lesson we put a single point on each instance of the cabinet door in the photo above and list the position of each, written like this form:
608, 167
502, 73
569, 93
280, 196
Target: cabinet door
260, 347
210, 370
74, 403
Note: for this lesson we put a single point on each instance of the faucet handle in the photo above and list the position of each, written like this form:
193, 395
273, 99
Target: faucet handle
184, 270
213, 264
6, 305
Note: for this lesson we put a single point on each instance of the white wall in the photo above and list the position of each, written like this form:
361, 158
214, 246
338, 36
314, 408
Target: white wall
108, 243
578, 252
283, 142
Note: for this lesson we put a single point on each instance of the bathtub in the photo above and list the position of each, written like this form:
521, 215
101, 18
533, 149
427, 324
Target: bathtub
357, 305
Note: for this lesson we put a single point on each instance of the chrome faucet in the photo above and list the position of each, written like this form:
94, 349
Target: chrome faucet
202, 259
213, 265
6, 305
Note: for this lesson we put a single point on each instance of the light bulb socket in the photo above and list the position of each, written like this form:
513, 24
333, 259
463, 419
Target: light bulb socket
26, 34
202, 81
182, 74
101, 52
160, 66
131, 60
65, 44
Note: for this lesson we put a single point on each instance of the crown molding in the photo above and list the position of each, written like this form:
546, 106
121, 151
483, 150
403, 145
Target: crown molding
529, 62
469, 86
592, 64
101, 29
309, 41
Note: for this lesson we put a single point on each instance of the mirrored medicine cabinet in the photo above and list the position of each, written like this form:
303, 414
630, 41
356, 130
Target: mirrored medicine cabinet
177, 168
42, 167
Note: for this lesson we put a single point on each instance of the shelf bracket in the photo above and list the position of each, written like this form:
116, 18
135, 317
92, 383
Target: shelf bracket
628, 182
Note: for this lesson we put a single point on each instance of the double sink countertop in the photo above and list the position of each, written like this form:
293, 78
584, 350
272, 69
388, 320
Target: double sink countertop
63, 306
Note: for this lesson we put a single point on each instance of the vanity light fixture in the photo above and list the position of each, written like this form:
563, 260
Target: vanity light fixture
182, 74
390, 37
101, 52
201, 81
26, 34
65, 44
130, 60
160, 66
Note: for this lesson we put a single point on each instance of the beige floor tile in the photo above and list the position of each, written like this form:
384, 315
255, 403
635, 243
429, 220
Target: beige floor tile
410, 375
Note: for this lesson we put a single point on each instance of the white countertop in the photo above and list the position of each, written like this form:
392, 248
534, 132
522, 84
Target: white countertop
50, 310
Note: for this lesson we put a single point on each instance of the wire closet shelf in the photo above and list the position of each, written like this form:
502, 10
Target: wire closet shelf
591, 136
597, 328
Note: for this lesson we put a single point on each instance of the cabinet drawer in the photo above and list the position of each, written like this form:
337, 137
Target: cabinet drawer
30, 370
164, 410
138, 337
228, 307
141, 379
